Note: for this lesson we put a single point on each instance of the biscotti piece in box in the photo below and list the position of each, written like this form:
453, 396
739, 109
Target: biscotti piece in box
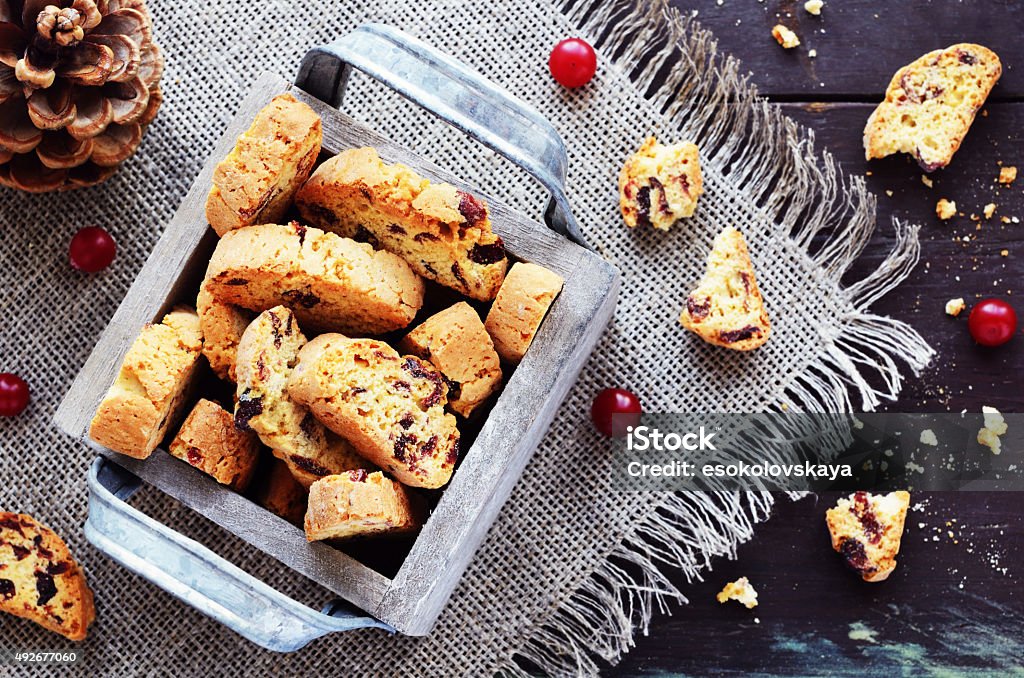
931, 103
281, 494
147, 396
390, 407
255, 183
457, 344
727, 309
520, 307
866, 529
358, 503
221, 326
40, 580
329, 282
210, 441
444, 233
659, 185
267, 352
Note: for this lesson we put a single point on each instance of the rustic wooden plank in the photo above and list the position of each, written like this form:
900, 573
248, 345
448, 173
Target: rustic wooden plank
863, 42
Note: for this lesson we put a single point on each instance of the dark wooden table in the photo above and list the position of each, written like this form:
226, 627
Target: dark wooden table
955, 603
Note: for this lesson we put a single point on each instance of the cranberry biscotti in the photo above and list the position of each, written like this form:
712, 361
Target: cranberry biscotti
358, 503
659, 185
520, 307
390, 407
867, 529
330, 283
210, 441
40, 580
147, 396
221, 326
255, 183
444, 233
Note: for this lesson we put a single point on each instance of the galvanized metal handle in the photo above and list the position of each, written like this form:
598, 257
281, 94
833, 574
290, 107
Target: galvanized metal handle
199, 577
453, 92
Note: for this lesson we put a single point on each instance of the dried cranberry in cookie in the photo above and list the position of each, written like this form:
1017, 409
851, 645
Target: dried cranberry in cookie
389, 406
727, 309
866, 529
660, 185
444, 233
930, 105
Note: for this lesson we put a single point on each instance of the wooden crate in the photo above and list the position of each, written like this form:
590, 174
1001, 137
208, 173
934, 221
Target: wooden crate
412, 599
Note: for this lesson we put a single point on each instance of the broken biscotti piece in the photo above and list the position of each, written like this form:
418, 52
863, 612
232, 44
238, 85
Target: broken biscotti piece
255, 183
741, 591
785, 36
281, 494
727, 309
444, 233
659, 185
146, 398
930, 105
221, 326
866, 529
210, 441
40, 580
945, 209
329, 282
457, 344
995, 426
390, 407
520, 307
268, 350
358, 503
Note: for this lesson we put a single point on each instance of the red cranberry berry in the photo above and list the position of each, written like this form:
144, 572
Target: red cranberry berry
573, 62
615, 401
992, 322
14, 395
92, 249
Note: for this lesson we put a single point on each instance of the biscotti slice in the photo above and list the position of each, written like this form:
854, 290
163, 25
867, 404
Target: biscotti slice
281, 494
727, 309
867, 529
221, 326
268, 350
329, 282
457, 344
931, 103
146, 398
40, 580
444, 233
520, 307
390, 407
659, 185
210, 441
255, 183
358, 503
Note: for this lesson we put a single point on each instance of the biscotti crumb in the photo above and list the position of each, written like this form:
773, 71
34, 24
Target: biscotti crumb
741, 591
811, 54
785, 37
955, 307
995, 426
927, 181
1007, 175
945, 209
989, 210
928, 438
867, 529
1004, 253
814, 7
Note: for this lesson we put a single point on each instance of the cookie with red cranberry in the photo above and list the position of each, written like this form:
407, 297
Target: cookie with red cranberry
40, 580
148, 394
358, 503
866, 529
727, 308
267, 352
222, 326
659, 185
330, 283
456, 343
930, 105
444, 233
210, 441
520, 307
255, 183
390, 407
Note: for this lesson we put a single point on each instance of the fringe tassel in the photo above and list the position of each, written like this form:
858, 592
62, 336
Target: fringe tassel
829, 215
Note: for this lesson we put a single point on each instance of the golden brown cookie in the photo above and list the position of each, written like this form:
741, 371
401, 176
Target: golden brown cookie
444, 233
255, 183
210, 441
659, 185
221, 326
727, 309
281, 494
867, 529
931, 103
40, 580
358, 503
520, 307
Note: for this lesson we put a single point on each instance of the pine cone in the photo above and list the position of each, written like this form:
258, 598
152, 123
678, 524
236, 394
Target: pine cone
79, 83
